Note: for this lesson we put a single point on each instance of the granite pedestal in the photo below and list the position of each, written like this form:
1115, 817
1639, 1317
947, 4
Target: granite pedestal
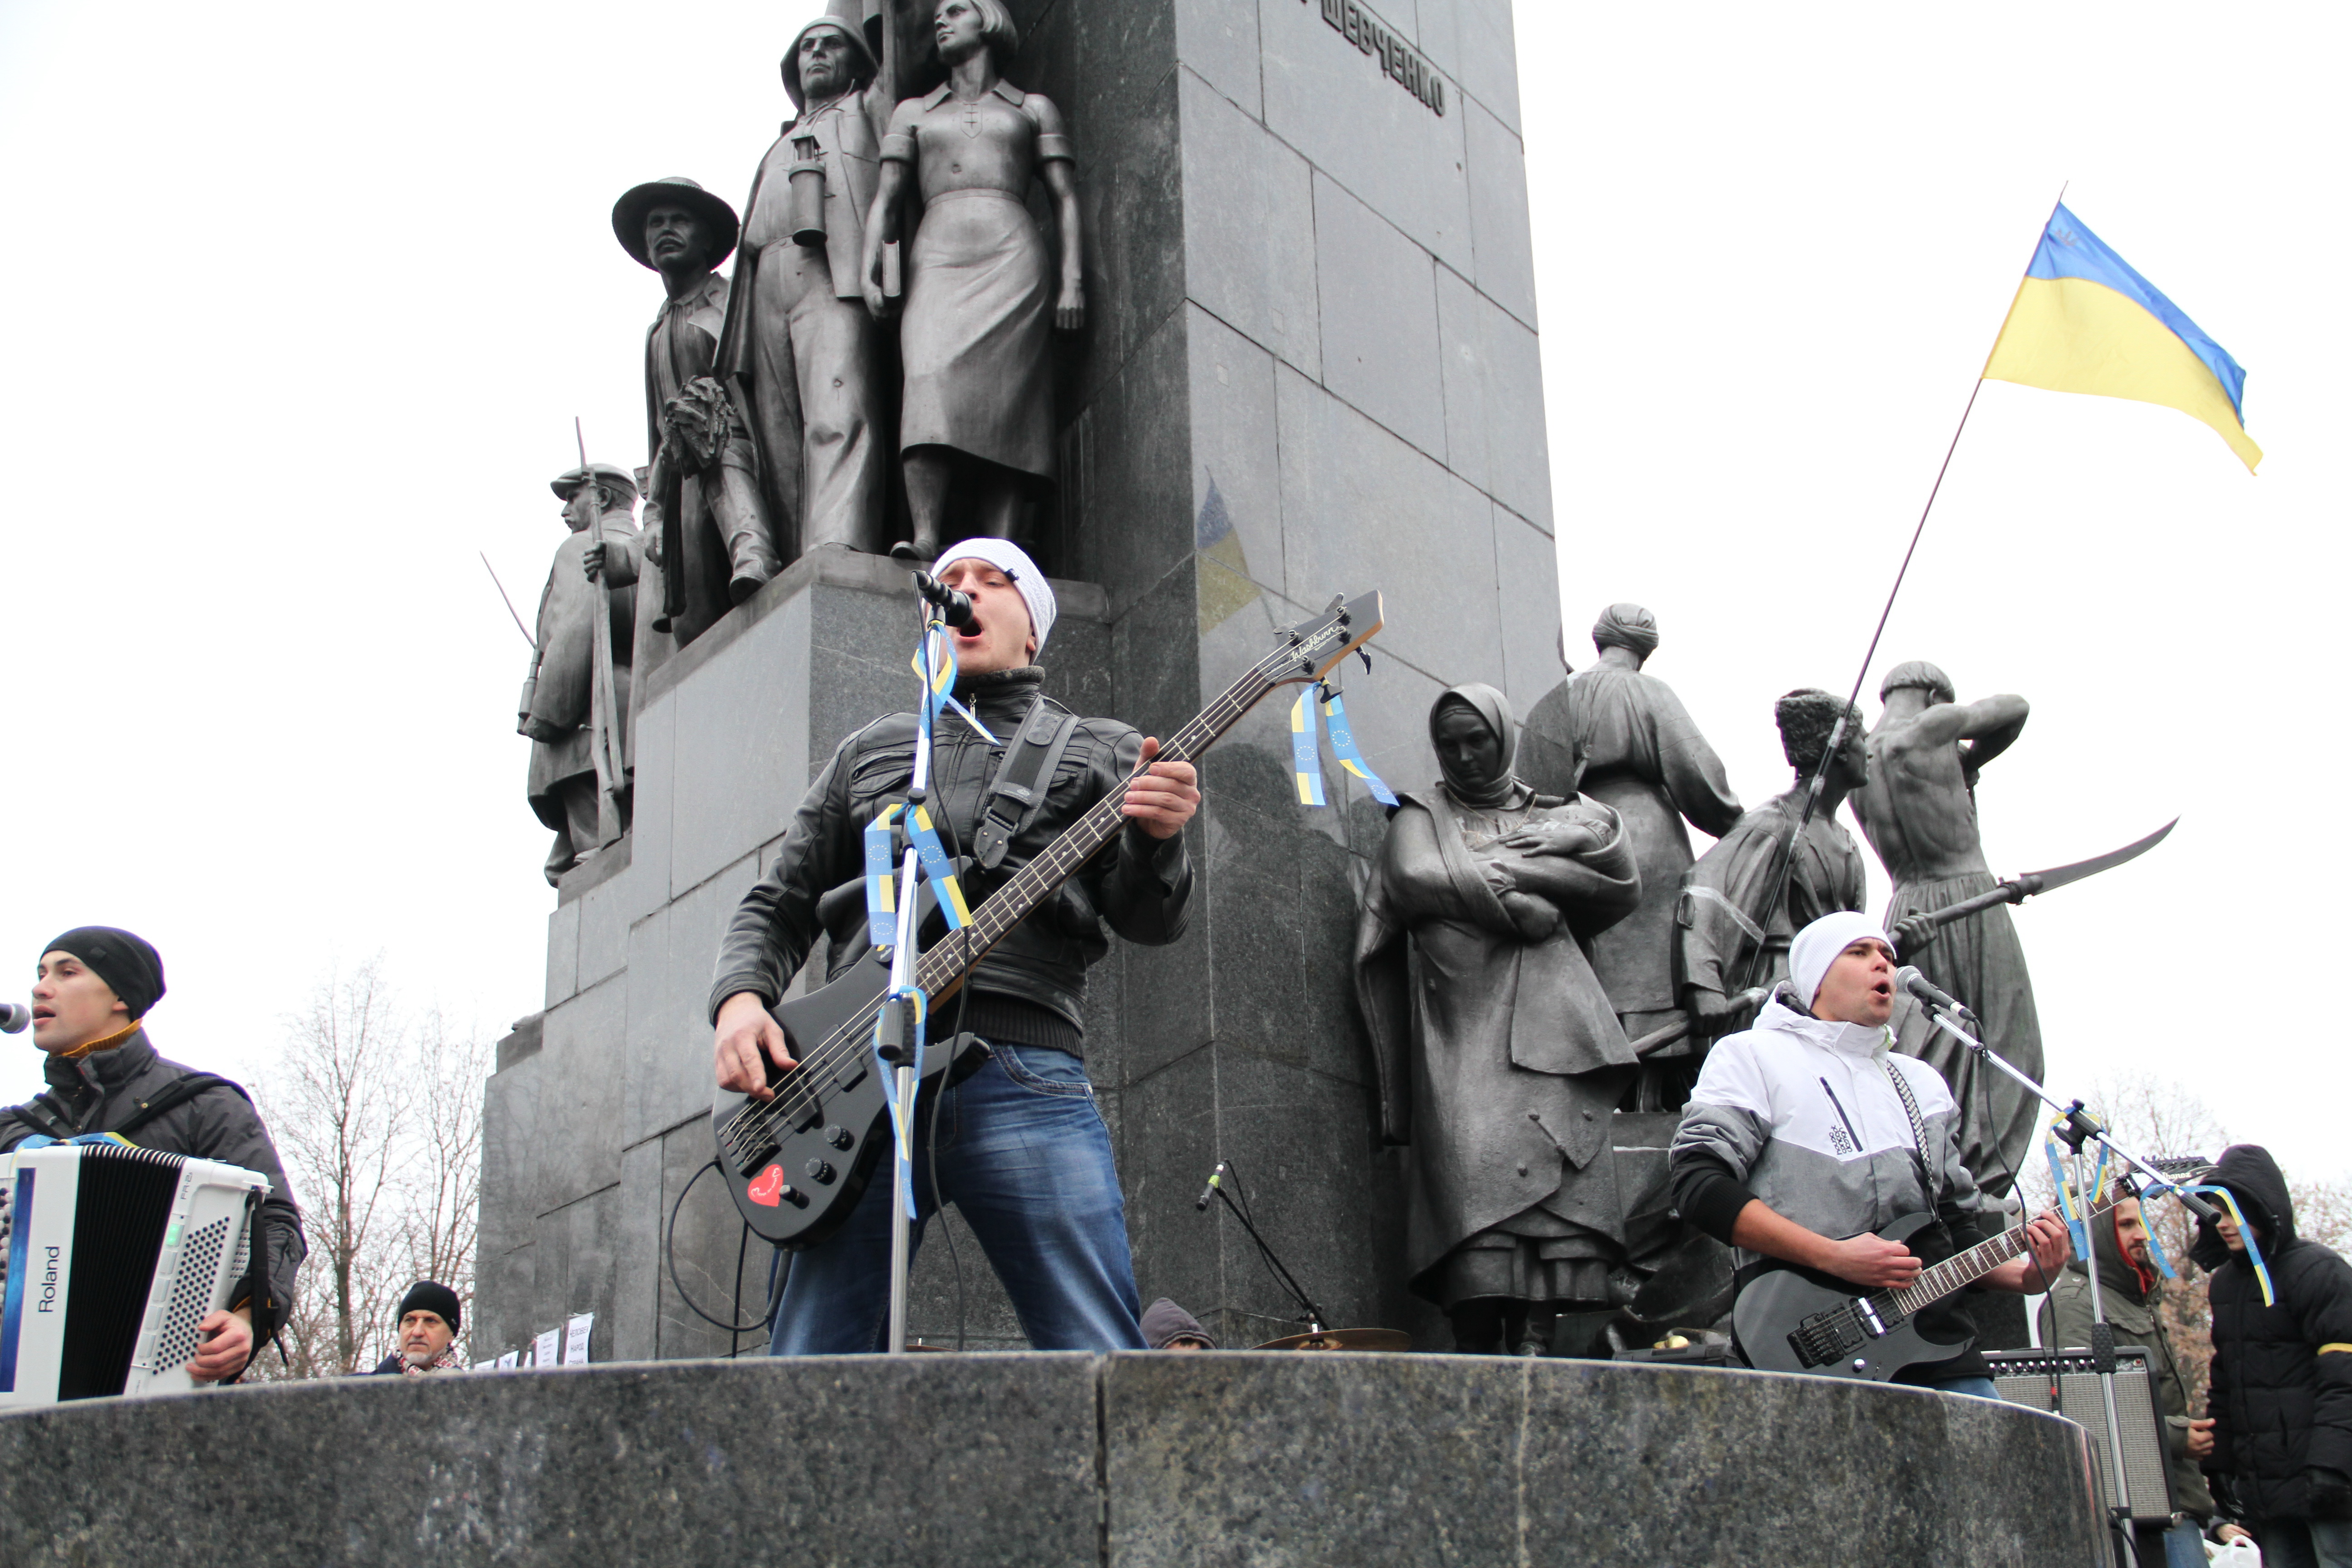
1136, 1461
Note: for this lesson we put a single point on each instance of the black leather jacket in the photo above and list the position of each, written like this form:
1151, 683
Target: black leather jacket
102, 1090
1138, 886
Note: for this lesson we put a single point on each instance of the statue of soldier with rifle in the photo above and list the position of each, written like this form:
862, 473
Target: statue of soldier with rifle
575, 700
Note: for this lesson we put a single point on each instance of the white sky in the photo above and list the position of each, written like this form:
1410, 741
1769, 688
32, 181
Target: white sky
302, 302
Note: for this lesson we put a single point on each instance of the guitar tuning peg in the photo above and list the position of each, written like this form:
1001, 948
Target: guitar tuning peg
1365, 655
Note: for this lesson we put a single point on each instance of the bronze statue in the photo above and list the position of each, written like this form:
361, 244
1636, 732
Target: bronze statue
1623, 737
1499, 1068
982, 295
1919, 813
799, 340
566, 788
707, 531
1722, 913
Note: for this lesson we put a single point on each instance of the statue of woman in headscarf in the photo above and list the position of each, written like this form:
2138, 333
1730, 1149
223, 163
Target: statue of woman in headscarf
1499, 1056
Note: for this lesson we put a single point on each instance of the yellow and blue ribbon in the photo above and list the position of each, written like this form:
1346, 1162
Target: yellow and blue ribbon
1306, 755
1306, 752
938, 870
939, 684
1343, 743
2245, 1235
881, 881
902, 1112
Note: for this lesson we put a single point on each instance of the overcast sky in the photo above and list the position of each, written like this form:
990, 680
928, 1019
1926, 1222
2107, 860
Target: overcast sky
303, 299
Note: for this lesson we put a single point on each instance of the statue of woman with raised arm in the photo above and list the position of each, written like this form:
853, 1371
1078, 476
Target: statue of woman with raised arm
1500, 1066
983, 295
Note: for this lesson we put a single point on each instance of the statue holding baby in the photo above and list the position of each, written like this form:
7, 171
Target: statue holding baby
1498, 1055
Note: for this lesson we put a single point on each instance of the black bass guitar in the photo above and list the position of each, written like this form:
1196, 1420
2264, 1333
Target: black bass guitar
1798, 1320
798, 1164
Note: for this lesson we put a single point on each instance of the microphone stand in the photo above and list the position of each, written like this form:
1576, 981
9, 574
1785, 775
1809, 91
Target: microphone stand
2077, 1126
898, 1029
1282, 1276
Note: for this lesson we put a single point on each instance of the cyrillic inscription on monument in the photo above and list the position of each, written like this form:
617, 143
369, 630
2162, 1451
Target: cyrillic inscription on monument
1398, 60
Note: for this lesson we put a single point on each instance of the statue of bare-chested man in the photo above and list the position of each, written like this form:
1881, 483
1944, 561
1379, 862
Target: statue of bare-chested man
1919, 813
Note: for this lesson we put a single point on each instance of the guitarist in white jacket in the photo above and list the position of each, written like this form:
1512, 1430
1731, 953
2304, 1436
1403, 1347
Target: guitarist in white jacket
1799, 1143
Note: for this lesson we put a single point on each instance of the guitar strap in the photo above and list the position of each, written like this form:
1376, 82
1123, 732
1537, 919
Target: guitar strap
1022, 779
1919, 1132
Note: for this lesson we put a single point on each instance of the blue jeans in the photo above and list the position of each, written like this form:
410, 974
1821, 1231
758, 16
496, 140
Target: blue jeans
1974, 1387
1024, 1157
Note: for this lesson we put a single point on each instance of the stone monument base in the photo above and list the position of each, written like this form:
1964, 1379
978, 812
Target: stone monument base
1025, 1458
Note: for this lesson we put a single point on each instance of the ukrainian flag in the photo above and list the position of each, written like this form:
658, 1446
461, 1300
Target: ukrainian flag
2085, 322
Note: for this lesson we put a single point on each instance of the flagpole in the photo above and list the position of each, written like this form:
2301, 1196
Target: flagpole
1784, 861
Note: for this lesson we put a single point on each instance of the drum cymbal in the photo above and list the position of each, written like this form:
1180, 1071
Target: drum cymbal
1343, 1340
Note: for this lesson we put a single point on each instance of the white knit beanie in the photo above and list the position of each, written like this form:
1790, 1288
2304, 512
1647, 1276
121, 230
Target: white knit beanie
1816, 947
1013, 561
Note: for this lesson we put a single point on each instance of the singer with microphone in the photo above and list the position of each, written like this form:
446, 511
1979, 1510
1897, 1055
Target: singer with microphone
1808, 1134
1021, 1151
92, 989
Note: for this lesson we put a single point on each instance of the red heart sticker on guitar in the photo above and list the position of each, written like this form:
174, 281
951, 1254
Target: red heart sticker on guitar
767, 1188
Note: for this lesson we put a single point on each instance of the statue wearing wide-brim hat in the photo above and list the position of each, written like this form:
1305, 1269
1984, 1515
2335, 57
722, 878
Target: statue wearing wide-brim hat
629, 216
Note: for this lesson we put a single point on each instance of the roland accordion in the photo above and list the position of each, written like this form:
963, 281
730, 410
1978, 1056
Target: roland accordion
114, 1254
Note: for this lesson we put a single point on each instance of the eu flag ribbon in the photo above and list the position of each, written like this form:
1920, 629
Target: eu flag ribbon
1343, 743
1306, 755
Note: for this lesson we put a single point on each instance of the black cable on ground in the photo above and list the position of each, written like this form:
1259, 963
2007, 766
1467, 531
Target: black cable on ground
670, 1251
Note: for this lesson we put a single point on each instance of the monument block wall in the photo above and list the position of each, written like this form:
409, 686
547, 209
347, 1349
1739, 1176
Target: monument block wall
1310, 367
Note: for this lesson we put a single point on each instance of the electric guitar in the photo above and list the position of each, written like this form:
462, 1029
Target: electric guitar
1800, 1320
797, 1164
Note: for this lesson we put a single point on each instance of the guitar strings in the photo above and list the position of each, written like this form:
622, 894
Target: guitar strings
840, 1047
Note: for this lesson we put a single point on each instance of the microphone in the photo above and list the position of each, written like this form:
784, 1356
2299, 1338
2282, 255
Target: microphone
14, 1017
954, 608
1916, 984
1209, 1191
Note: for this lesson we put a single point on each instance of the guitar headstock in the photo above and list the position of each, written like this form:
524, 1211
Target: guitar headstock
1312, 647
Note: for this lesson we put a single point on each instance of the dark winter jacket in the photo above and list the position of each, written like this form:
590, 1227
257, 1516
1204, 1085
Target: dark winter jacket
2282, 1380
1030, 987
2130, 1298
102, 1090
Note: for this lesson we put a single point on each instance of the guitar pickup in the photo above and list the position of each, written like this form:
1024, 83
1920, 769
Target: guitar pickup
1826, 1336
852, 1073
749, 1149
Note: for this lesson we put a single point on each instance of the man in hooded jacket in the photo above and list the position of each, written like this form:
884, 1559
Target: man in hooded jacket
1809, 1133
2129, 1290
2281, 1395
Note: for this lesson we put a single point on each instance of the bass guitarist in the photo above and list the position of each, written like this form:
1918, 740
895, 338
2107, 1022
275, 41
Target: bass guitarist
1021, 1151
1807, 1134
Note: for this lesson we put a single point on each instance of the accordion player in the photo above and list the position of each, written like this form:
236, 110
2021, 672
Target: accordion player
92, 989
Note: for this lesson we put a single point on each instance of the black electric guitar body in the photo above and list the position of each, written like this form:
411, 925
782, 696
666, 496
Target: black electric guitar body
1796, 1320
797, 1164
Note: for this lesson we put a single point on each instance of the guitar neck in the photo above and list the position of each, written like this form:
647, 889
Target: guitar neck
1965, 1268
945, 966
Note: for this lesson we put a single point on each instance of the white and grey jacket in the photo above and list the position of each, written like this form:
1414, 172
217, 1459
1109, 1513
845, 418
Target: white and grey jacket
1803, 1114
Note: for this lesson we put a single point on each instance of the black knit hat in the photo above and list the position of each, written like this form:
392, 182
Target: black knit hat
432, 1296
132, 969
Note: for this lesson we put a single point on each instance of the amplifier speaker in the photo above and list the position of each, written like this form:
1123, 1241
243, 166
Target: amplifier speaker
2063, 1382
